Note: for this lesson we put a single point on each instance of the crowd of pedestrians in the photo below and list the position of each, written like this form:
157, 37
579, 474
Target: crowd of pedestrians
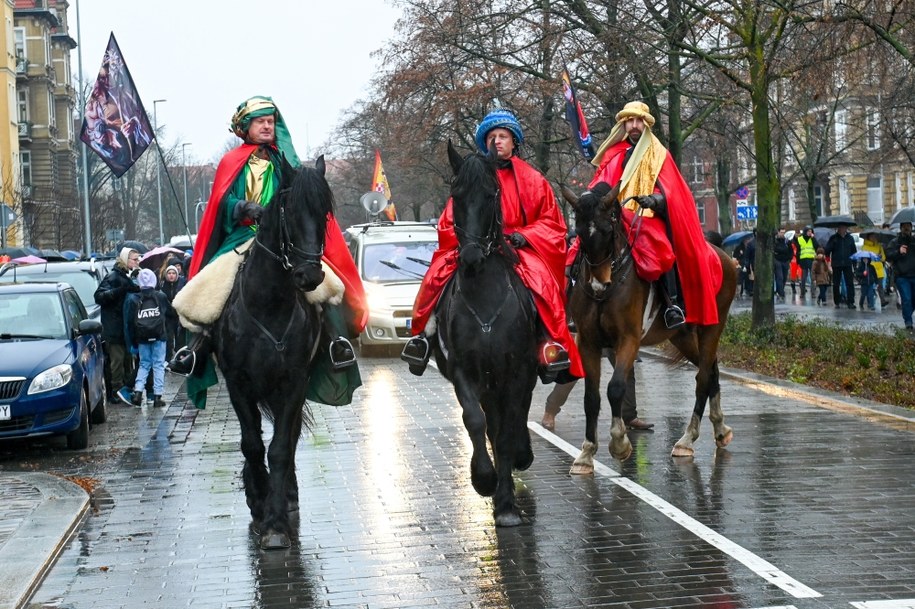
139, 325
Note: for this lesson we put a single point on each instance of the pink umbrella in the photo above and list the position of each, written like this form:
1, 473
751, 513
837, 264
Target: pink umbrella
30, 259
154, 258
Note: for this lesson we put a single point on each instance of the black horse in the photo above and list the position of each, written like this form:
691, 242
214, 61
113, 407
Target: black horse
266, 339
486, 339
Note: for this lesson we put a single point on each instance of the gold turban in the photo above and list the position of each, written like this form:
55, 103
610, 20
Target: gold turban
635, 109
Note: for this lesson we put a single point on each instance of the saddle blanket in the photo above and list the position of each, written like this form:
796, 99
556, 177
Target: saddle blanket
200, 303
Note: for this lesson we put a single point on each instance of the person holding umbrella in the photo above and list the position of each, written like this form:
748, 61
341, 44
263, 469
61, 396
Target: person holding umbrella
839, 249
901, 252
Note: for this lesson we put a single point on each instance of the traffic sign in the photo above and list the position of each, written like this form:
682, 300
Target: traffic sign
743, 192
746, 212
7, 215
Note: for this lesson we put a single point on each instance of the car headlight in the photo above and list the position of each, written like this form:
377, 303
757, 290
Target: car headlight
52, 378
376, 300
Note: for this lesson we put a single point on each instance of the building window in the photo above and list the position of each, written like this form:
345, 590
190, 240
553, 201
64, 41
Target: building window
25, 166
700, 207
697, 173
873, 129
23, 104
841, 130
52, 111
20, 42
818, 199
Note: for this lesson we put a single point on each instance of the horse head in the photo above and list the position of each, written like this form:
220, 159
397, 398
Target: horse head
476, 205
292, 228
598, 225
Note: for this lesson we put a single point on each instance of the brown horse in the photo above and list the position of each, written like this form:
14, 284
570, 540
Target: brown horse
614, 308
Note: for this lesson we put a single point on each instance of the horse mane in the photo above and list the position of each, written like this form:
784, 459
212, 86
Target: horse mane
478, 172
311, 189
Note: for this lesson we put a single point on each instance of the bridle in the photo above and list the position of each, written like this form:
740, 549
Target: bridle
488, 242
288, 249
621, 263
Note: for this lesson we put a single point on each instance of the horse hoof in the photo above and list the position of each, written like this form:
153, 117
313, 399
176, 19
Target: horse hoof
622, 455
508, 519
548, 422
484, 484
524, 460
724, 440
581, 469
682, 451
274, 541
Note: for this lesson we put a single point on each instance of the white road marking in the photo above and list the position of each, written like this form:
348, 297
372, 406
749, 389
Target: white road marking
777, 607
903, 603
761, 567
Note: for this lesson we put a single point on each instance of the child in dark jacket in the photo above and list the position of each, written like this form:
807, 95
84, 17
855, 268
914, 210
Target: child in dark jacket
145, 332
822, 275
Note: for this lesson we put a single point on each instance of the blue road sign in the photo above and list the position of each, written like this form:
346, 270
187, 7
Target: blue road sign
746, 212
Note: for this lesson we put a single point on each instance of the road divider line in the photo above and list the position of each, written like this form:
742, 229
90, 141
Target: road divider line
758, 565
903, 603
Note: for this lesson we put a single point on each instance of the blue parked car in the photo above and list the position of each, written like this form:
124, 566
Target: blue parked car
51, 364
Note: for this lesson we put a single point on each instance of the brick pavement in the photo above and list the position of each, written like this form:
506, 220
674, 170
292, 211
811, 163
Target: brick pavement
388, 517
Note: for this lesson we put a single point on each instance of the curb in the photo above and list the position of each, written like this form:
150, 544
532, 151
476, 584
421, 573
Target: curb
28, 554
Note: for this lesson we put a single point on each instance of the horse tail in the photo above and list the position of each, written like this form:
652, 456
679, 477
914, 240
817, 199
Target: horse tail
307, 417
715, 238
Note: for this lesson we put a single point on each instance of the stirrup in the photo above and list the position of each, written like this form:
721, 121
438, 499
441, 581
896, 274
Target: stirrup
417, 352
179, 362
345, 356
673, 317
554, 358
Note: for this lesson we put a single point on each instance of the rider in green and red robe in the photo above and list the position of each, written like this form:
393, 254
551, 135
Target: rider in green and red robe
534, 225
247, 179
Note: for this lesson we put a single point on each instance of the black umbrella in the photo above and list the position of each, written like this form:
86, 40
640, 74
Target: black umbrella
835, 221
136, 245
906, 214
19, 252
882, 235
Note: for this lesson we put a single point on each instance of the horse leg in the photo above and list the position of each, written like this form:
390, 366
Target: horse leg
591, 360
520, 434
620, 446
482, 473
708, 389
254, 472
281, 456
723, 433
507, 434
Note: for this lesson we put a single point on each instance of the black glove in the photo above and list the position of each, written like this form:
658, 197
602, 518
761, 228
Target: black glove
517, 240
246, 210
655, 202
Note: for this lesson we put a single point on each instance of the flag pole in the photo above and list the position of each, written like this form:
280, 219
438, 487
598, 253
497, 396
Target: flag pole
83, 153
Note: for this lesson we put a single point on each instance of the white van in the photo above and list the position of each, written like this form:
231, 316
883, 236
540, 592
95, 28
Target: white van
392, 258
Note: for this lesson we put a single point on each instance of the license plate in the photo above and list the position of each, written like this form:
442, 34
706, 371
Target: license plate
5, 412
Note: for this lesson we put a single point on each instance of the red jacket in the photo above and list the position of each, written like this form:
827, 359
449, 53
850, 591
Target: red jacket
698, 265
528, 207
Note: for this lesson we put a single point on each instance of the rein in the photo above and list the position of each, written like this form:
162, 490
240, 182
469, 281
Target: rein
623, 263
287, 247
279, 345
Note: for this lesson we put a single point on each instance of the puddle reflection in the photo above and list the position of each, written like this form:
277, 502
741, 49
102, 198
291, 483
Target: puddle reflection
282, 578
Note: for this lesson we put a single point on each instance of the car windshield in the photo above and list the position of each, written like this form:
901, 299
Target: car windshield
31, 315
84, 283
397, 262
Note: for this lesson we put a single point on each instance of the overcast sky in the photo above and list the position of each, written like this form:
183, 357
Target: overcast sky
207, 56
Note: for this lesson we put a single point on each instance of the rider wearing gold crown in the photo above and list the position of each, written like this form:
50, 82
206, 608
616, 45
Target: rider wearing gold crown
652, 188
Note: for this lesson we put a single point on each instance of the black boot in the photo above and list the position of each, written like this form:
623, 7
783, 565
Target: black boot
673, 316
417, 352
341, 353
185, 359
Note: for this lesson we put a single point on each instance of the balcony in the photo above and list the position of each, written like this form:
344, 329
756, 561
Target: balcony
22, 65
25, 131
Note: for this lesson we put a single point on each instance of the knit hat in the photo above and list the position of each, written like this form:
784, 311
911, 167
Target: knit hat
171, 267
498, 118
146, 279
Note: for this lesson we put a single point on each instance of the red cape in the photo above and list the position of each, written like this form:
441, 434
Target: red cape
528, 207
336, 253
698, 265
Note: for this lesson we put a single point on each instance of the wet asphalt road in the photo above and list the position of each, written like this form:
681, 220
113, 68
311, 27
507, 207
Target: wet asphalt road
811, 506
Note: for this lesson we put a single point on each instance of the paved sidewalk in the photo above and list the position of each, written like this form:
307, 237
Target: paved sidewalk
38, 515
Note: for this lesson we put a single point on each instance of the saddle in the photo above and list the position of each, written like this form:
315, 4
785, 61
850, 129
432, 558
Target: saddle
201, 301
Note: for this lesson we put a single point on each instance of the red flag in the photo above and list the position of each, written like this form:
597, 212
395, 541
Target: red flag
115, 124
380, 184
576, 118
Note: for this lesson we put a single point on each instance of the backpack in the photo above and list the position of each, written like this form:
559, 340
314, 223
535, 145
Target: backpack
149, 319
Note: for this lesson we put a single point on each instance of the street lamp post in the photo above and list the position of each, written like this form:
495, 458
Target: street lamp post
187, 218
158, 162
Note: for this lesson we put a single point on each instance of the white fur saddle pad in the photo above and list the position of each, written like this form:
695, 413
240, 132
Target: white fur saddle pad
201, 301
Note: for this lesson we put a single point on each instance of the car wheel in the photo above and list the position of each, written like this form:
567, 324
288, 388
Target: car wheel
78, 439
100, 412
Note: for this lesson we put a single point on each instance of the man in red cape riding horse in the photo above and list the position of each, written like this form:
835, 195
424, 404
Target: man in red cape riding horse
534, 226
246, 181
651, 188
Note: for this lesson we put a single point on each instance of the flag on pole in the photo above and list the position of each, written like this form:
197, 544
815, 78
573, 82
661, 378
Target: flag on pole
115, 124
380, 184
576, 118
